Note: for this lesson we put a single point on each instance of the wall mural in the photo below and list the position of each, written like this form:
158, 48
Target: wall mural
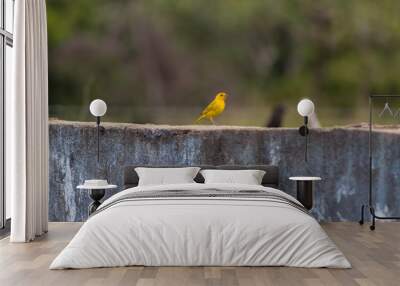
209, 77
339, 156
163, 61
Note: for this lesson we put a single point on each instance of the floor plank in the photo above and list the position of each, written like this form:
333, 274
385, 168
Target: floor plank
375, 257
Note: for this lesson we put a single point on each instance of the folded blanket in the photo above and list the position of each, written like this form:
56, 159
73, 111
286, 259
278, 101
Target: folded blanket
206, 193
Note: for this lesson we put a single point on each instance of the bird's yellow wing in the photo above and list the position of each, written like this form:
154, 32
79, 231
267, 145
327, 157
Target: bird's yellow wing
210, 108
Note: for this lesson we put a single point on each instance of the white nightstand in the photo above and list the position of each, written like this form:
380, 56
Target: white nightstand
96, 193
305, 190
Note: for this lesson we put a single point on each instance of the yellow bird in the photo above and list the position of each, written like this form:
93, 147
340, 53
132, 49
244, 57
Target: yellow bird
215, 108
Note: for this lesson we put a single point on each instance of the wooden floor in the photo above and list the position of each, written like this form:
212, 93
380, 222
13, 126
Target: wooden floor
375, 257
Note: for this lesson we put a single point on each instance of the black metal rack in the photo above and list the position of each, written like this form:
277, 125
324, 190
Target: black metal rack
370, 150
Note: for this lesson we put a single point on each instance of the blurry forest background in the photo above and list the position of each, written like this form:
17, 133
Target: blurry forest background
162, 61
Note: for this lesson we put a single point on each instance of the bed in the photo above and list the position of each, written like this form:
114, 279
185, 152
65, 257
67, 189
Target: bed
198, 224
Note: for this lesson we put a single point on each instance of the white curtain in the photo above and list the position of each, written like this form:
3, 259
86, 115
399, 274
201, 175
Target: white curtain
27, 124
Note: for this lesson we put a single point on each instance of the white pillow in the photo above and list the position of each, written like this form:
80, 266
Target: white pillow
248, 177
165, 176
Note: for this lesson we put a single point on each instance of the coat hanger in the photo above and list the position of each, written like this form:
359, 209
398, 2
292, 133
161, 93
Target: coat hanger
397, 113
386, 108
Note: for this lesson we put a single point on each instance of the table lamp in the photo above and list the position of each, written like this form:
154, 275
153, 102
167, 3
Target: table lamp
98, 108
305, 108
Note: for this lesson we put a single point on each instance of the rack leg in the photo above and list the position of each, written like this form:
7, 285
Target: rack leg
372, 226
361, 222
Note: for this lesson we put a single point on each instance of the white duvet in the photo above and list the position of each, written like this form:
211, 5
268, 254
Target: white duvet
200, 231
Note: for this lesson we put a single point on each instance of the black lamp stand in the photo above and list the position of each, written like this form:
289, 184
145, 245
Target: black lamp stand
98, 137
304, 131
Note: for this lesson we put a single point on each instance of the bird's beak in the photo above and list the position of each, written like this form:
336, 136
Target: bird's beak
226, 96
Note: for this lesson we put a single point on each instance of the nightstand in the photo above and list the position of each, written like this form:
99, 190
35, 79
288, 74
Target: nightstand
96, 193
305, 190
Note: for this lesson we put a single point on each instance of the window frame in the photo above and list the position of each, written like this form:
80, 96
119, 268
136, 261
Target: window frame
6, 39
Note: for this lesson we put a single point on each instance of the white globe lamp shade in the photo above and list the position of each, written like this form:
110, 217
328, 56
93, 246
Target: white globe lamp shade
305, 107
98, 107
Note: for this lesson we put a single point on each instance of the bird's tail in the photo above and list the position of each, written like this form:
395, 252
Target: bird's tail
200, 118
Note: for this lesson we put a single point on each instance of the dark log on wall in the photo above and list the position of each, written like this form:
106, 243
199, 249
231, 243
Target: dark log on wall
277, 116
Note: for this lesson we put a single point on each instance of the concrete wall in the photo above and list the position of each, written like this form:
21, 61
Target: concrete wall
339, 156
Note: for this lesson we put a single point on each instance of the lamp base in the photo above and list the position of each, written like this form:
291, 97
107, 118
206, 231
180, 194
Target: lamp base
303, 130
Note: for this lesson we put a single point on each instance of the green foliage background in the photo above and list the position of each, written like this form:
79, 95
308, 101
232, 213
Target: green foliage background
161, 61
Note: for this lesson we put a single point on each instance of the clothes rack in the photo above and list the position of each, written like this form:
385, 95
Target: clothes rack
370, 151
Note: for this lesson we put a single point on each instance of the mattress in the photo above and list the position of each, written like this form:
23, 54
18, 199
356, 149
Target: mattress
201, 225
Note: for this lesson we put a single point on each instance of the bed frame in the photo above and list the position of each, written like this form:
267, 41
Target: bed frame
271, 177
